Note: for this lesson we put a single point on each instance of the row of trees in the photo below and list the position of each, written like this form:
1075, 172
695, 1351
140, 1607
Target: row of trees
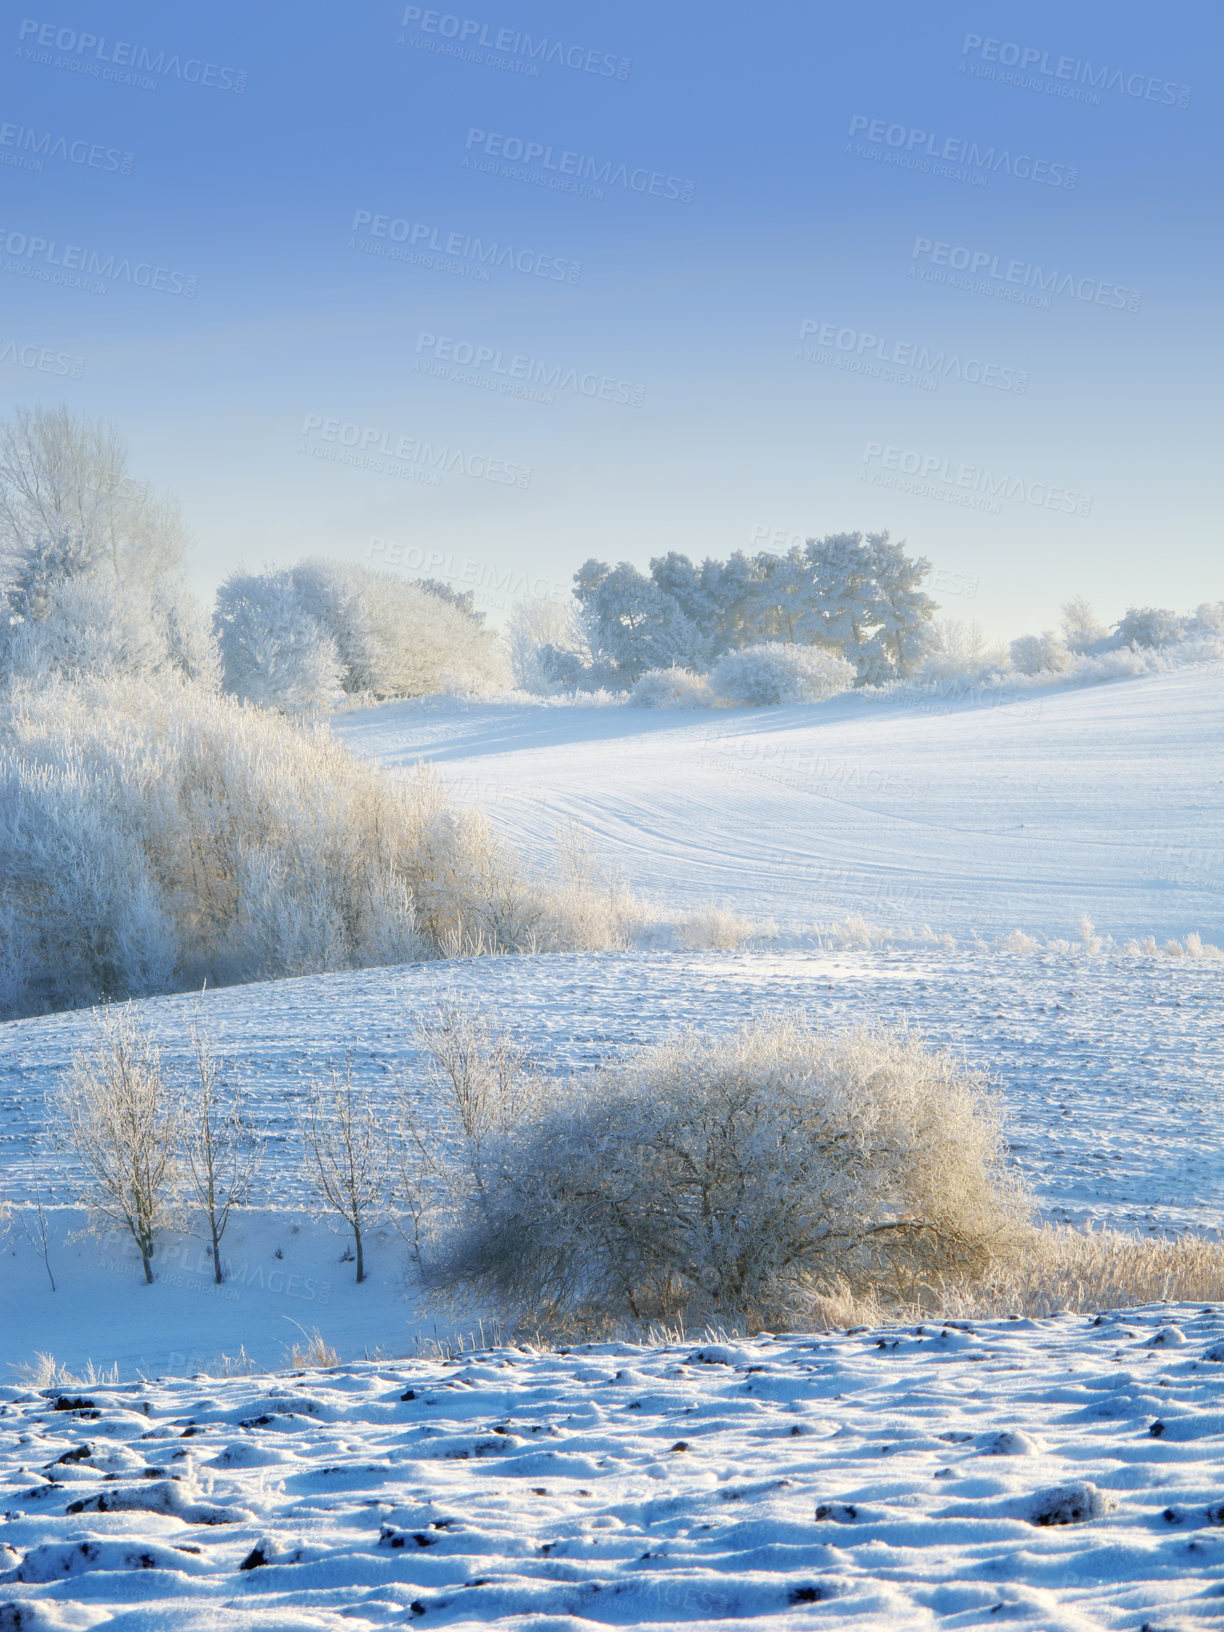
158, 1154
92, 583
859, 595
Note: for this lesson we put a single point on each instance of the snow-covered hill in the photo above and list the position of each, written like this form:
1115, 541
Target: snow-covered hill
1056, 1476
986, 812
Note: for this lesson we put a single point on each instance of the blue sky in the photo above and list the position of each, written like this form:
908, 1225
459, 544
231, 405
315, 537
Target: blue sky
791, 346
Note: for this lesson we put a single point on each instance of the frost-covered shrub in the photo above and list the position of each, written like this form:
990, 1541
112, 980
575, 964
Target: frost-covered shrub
1122, 663
293, 639
1150, 626
671, 688
1208, 619
1041, 654
713, 929
1082, 629
778, 672
153, 837
741, 1179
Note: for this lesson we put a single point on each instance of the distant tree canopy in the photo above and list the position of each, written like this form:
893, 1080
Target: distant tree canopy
856, 594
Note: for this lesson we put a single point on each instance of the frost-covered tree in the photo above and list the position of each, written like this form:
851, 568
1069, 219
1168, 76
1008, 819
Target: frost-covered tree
464, 599
1150, 626
221, 1150
1082, 630
90, 558
69, 506
872, 606
538, 631
121, 1119
273, 651
347, 1156
634, 624
959, 651
857, 594
292, 639
1041, 654
1208, 618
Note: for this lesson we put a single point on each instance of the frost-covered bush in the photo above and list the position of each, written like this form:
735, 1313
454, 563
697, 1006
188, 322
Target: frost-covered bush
273, 651
671, 688
957, 652
1208, 619
1150, 626
741, 1179
715, 929
153, 837
1082, 629
779, 672
295, 638
1041, 654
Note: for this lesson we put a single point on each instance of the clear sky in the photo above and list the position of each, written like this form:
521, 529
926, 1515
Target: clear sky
484, 292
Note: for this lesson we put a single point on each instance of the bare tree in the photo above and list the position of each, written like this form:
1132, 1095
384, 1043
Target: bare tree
347, 1155
221, 1149
483, 1081
69, 508
123, 1122
483, 1071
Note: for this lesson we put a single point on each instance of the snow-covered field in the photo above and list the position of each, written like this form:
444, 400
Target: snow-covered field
1110, 1069
882, 1478
986, 812
1061, 1474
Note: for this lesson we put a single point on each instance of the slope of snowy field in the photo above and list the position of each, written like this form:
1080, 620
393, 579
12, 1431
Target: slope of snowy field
987, 812
1057, 1476
1110, 1069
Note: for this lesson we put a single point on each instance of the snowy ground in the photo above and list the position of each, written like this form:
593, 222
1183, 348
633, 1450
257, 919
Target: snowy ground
984, 813
1062, 1474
